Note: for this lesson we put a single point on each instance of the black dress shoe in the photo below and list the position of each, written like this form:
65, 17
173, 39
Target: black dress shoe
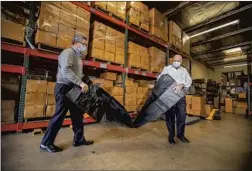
171, 140
184, 139
85, 142
50, 148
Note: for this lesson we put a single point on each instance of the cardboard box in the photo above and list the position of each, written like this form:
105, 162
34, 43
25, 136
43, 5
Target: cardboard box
119, 59
99, 27
82, 24
111, 33
120, 43
188, 108
109, 76
131, 108
119, 51
65, 36
103, 82
8, 104
130, 90
108, 89
155, 31
7, 116
156, 18
67, 19
143, 90
50, 87
48, 24
84, 33
46, 38
83, 14
110, 48
97, 44
228, 105
101, 4
189, 99
36, 111
97, 53
108, 56
242, 95
130, 99
145, 26
129, 82
242, 105
208, 108
50, 110
112, 7
119, 78
32, 99
51, 99
36, 86
241, 111
119, 99
117, 91
198, 103
69, 7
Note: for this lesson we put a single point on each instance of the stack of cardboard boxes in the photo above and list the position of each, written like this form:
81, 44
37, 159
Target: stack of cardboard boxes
130, 95
142, 93
7, 111
116, 8
158, 24
185, 43
12, 23
138, 15
236, 107
138, 56
58, 22
157, 59
175, 36
107, 43
50, 100
197, 106
35, 99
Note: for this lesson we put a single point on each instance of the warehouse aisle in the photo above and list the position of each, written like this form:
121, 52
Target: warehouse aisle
215, 145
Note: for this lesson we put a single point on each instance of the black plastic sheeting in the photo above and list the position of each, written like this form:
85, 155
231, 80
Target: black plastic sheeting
97, 102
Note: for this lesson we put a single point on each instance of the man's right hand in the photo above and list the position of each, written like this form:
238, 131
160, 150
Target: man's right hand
84, 87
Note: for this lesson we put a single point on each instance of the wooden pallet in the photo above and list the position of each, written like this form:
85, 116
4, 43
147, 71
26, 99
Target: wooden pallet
49, 48
109, 13
13, 42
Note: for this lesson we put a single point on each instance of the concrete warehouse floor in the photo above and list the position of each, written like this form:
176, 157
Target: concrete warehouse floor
215, 145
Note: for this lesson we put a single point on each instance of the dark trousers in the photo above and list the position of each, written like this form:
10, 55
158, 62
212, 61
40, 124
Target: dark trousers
180, 111
62, 107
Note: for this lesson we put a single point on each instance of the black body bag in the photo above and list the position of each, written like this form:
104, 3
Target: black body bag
160, 101
97, 102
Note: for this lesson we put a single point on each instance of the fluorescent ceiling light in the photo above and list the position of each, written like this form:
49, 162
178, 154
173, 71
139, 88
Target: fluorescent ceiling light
235, 58
216, 28
238, 49
238, 65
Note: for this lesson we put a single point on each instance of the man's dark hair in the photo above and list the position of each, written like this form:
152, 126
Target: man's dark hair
78, 39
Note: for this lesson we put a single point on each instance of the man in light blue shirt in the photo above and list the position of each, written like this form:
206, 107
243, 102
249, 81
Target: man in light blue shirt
184, 81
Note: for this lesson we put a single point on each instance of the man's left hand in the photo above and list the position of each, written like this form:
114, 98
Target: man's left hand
178, 88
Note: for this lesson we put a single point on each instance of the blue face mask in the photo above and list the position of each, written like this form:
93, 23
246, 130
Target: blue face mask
82, 48
176, 64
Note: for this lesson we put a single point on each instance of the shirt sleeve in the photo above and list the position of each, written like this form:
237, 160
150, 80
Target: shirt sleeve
188, 80
66, 65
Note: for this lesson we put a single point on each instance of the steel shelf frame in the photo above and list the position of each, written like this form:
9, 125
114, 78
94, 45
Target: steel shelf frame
33, 53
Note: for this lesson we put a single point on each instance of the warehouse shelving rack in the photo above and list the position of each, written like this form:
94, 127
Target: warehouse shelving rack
249, 60
33, 53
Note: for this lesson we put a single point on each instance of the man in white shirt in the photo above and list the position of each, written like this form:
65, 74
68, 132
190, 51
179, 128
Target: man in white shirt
184, 81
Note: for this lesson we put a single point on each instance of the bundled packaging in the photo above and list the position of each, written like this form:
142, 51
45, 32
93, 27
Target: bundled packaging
58, 22
35, 98
157, 59
158, 24
139, 14
175, 34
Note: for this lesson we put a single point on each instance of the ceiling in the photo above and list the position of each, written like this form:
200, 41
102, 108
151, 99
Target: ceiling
196, 17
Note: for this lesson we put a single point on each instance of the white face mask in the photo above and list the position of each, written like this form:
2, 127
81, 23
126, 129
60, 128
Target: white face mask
82, 48
176, 64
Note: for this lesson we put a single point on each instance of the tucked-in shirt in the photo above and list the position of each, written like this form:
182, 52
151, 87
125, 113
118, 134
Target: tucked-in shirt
180, 75
70, 67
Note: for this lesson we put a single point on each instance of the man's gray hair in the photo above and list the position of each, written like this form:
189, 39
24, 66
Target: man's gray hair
78, 39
